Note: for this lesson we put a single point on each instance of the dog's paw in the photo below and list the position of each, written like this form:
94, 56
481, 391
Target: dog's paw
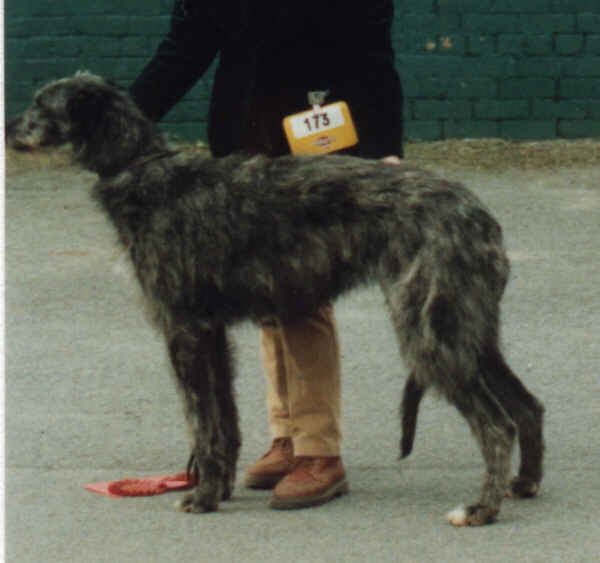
196, 504
521, 487
475, 515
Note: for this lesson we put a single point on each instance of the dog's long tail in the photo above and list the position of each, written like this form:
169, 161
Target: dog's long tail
413, 393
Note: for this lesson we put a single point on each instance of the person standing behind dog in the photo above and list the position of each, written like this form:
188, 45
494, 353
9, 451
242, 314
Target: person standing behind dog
271, 55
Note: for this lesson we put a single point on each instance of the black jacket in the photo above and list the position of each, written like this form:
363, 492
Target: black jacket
272, 53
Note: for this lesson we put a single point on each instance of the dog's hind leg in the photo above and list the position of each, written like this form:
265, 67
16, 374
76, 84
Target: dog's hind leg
413, 393
528, 414
200, 358
494, 431
438, 340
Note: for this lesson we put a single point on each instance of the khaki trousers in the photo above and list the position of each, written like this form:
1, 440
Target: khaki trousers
302, 367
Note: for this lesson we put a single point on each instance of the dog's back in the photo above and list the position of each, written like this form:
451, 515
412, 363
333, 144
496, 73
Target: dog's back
308, 229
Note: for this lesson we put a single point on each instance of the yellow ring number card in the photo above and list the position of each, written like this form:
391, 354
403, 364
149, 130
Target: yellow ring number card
320, 130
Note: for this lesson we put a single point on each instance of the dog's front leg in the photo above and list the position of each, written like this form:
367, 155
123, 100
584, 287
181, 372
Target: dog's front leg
202, 367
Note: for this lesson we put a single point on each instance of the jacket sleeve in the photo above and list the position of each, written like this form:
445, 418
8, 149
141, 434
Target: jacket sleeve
180, 60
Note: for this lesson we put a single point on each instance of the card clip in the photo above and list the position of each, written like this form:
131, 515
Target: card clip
316, 99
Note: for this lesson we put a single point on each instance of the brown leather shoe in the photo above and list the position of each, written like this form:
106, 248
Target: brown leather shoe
273, 466
312, 481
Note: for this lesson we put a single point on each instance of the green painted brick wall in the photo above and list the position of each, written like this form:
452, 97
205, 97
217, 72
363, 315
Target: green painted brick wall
470, 68
507, 68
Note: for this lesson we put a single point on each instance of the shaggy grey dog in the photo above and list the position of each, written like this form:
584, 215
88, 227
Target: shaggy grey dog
217, 241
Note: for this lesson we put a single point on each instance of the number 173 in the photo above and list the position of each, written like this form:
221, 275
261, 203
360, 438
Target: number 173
318, 121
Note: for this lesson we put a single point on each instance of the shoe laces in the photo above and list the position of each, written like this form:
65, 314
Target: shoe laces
280, 443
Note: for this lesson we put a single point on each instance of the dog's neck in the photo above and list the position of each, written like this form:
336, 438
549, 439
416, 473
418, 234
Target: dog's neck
97, 154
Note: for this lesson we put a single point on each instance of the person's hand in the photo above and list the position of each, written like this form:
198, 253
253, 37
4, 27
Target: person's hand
391, 159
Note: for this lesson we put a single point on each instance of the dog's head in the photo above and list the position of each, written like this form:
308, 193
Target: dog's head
62, 111
104, 125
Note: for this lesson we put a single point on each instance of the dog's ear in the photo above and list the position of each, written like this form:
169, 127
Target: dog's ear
86, 107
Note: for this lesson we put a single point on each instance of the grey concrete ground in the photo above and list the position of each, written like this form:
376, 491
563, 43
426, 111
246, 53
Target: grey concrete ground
88, 398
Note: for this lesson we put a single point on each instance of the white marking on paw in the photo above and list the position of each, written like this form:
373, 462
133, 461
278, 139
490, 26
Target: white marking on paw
458, 516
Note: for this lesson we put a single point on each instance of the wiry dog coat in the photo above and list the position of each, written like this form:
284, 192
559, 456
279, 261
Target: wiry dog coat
216, 241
